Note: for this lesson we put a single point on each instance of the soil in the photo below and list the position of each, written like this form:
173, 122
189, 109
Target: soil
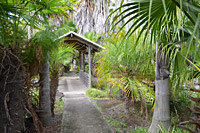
57, 119
113, 111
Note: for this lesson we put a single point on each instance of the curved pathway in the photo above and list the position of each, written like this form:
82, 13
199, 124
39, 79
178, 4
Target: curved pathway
80, 115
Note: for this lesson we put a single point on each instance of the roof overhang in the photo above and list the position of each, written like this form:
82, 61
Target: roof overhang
80, 43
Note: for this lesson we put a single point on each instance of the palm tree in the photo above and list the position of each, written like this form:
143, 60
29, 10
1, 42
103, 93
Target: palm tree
12, 40
47, 40
56, 7
159, 21
15, 17
58, 57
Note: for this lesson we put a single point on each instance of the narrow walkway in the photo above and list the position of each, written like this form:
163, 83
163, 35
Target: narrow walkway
80, 115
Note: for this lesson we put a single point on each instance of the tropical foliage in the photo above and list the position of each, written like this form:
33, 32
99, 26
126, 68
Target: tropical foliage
169, 22
125, 65
58, 58
174, 26
26, 55
163, 34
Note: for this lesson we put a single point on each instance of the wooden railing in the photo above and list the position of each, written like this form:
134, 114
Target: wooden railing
84, 77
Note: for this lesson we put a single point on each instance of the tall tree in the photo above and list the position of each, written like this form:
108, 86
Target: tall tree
15, 16
55, 7
44, 96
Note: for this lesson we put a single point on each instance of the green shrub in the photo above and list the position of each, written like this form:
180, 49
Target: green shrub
59, 106
95, 93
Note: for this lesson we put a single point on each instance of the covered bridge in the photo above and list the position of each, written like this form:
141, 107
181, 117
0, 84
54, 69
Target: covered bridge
85, 47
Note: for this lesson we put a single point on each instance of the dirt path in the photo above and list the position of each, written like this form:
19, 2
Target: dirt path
80, 115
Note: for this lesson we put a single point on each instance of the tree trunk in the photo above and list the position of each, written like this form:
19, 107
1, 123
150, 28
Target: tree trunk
144, 110
44, 96
53, 87
127, 104
161, 114
12, 98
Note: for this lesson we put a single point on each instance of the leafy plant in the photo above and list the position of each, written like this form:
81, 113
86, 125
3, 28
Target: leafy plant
95, 93
196, 114
59, 106
127, 66
118, 125
139, 130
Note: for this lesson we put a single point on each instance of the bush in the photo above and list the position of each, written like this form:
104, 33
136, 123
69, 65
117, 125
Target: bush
59, 106
95, 93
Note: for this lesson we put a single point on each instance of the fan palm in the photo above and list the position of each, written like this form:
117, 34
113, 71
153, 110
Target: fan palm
15, 15
159, 21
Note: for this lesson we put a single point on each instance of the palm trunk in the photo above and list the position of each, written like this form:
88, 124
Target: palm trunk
144, 110
53, 87
127, 104
44, 96
161, 114
12, 97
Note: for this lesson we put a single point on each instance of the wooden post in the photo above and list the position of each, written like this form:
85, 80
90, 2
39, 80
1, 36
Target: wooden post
90, 68
80, 57
83, 62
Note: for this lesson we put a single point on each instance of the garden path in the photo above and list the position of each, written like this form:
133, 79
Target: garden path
80, 115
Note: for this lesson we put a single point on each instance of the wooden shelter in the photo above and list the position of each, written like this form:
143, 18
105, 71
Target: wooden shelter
85, 47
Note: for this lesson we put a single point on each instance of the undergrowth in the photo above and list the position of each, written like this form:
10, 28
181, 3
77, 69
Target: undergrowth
59, 106
93, 93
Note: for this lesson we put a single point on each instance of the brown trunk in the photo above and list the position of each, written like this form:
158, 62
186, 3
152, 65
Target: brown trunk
111, 91
37, 123
12, 98
144, 110
53, 90
127, 104
30, 108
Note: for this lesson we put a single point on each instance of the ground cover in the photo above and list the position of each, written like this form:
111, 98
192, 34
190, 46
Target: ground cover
133, 122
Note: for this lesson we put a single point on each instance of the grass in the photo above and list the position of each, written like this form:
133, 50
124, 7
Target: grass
59, 106
65, 74
118, 125
97, 106
178, 112
145, 130
96, 94
139, 130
